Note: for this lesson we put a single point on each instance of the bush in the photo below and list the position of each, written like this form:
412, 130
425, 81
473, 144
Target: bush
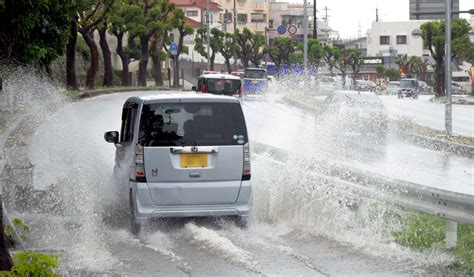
29, 263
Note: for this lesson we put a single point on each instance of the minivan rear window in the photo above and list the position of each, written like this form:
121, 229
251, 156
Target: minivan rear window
192, 124
222, 86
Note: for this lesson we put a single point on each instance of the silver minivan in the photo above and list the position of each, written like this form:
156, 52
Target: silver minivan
183, 155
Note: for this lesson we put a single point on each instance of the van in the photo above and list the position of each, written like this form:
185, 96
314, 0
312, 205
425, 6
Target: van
183, 156
219, 84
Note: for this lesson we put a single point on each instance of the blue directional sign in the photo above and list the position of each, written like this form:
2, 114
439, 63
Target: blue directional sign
281, 29
174, 49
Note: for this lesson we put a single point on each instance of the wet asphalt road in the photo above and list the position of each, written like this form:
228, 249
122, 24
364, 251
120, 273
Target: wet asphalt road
429, 114
299, 229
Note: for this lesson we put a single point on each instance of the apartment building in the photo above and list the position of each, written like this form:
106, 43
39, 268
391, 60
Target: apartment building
252, 14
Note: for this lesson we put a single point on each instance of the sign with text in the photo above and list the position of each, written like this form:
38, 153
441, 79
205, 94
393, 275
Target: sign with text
372, 60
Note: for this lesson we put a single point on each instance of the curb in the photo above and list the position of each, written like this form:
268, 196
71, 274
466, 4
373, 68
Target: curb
92, 93
456, 101
438, 144
299, 104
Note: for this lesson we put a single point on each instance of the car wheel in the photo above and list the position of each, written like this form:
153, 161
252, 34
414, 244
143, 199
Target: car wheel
135, 223
243, 221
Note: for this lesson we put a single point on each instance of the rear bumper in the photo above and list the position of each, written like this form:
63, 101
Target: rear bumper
144, 207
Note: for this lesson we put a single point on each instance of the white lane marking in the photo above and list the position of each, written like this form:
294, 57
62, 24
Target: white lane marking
212, 241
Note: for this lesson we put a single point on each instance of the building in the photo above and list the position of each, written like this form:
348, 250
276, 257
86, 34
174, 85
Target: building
436, 6
389, 39
289, 14
251, 14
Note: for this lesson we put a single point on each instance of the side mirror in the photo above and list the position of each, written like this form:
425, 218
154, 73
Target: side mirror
194, 88
111, 137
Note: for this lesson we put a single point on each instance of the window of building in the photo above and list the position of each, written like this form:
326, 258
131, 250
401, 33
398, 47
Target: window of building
257, 17
192, 13
228, 17
242, 18
270, 24
401, 39
384, 40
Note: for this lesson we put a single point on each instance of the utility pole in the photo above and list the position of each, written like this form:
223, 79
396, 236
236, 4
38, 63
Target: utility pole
235, 28
207, 37
305, 37
447, 69
315, 22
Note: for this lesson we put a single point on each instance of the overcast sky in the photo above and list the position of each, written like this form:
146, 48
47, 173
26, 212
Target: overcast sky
344, 15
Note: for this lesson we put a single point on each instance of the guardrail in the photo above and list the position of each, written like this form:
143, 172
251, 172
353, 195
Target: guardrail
452, 206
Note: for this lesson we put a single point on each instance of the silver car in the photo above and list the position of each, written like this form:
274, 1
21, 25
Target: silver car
183, 156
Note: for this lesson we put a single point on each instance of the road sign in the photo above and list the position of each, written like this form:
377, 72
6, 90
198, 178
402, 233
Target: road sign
281, 29
292, 29
174, 49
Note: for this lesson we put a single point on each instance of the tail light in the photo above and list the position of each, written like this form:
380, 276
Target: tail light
139, 164
246, 173
204, 90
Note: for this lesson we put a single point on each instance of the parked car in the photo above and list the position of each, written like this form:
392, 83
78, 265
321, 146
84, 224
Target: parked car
183, 156
423, 87
219, 84
359, 113
408, 88
392, 87
456, 88
366, 85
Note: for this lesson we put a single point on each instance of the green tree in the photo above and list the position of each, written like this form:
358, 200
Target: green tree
257, 42
392, 74
34, 32
315, 52
179, 22
331, 55
433, 38
380, 69
355, 62
280, 50
227, 47
403, 62
243, 40
91, 14
150, 20
214, 44
119, 18
343, 63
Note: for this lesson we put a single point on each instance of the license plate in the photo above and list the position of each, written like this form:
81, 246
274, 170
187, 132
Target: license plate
254, 81
193, 160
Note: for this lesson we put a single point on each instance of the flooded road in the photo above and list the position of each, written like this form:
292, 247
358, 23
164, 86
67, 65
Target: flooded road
301, 224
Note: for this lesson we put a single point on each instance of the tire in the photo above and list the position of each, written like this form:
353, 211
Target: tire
135, 223
243, 222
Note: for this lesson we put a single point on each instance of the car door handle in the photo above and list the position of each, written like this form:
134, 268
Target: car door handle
195, 174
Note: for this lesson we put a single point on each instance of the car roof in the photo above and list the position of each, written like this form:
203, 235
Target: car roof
411, 79
394, 82
219, 76
183, 97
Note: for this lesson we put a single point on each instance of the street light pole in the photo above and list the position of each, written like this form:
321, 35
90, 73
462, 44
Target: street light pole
207, 37
305, 37
447, 69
